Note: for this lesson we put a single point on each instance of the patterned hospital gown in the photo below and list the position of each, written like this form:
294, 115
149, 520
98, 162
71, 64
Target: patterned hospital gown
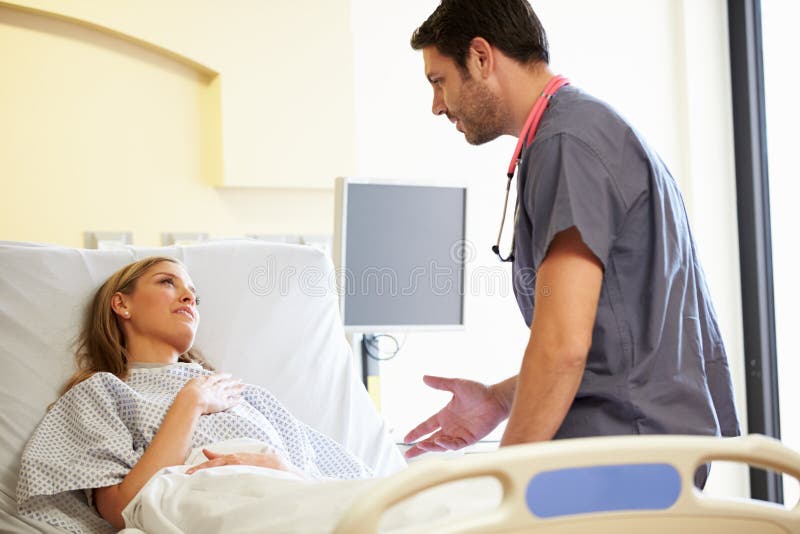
99, 429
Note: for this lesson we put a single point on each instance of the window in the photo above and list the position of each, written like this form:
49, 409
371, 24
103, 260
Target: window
763, 113
778, 23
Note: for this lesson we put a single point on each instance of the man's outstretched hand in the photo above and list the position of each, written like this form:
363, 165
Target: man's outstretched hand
473, 412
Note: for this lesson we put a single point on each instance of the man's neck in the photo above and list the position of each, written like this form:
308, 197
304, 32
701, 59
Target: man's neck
524, 86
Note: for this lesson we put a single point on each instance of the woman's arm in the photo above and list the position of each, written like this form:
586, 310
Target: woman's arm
172, 442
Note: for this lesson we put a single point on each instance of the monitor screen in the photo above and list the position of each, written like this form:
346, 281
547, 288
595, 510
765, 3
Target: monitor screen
399, 255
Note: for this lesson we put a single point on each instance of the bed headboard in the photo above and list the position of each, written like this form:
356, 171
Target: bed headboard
269, 314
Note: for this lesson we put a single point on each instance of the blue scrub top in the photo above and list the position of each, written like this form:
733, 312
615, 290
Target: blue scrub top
657, 363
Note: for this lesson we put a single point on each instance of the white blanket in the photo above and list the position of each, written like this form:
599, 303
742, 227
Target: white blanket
239, 499
242, 499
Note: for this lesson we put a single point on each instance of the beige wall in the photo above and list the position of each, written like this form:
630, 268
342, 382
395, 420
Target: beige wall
116, 125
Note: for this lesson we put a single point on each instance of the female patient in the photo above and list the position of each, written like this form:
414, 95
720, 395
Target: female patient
141, 400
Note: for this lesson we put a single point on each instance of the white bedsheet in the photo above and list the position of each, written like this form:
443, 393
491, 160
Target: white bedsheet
243, 499
238, 499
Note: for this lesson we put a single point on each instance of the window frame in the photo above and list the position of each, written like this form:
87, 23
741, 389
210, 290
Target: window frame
755, 238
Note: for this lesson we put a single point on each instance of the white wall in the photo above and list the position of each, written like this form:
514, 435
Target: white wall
398, 137
634, 55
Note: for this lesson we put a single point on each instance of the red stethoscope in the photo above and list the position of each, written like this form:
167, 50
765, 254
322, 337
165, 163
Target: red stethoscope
525, 138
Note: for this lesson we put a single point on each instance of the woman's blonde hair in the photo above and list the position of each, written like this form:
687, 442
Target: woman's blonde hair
101, 344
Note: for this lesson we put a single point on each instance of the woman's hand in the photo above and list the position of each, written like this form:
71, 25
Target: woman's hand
213, 393
272, 461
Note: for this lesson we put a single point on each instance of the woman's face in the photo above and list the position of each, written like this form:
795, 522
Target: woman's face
161, 310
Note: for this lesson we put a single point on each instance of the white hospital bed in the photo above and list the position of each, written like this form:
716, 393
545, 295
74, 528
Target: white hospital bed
598, 485
270, 315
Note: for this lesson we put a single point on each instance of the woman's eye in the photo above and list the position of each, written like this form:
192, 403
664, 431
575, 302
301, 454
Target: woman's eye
169, 281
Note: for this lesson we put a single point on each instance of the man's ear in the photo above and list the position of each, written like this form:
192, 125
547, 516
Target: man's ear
481, 57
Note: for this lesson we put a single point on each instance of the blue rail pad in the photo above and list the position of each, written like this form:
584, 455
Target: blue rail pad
604, 488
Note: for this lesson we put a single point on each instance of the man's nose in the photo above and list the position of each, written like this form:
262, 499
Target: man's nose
438, 107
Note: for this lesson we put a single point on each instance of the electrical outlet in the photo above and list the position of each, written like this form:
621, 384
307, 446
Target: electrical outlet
107, 240
278, 238
182, 238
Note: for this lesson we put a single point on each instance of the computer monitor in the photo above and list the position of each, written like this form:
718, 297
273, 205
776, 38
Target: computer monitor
399, 254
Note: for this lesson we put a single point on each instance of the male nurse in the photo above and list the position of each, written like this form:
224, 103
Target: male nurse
623, 335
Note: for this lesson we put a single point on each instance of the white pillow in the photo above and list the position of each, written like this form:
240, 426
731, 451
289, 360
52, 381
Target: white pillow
269, 315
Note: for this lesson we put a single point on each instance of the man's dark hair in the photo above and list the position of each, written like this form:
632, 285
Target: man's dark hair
510, 25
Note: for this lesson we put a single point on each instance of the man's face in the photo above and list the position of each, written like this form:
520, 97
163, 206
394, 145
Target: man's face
465, 98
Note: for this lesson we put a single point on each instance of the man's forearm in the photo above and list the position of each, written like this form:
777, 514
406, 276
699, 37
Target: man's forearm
568, 286
545, 389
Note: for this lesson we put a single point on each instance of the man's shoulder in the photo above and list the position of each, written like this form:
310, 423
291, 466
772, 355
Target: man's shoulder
581, 125
581, 116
